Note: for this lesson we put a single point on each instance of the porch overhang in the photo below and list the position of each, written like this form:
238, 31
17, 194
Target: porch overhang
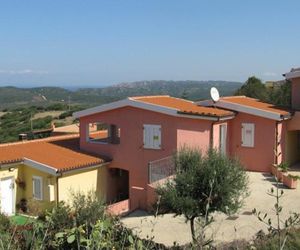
49, 169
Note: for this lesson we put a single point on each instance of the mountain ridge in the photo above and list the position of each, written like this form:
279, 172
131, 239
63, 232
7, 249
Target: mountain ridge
11, 96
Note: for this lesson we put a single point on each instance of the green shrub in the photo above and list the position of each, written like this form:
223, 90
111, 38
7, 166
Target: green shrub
59, 124
270, 242
65, 114
59, 217
56, 107
4, 223
81, 225
87, 208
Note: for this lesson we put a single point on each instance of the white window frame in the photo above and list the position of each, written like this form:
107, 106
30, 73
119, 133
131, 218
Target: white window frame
39, 178
245, 143
151, 144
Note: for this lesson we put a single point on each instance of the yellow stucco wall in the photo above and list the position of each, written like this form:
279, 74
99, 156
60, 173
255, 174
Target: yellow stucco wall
83, 181
25, 174
93, 180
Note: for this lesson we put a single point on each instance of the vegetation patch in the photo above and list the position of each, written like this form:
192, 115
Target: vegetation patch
21, 220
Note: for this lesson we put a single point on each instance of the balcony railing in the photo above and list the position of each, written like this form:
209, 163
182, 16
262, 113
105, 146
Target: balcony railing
161, 169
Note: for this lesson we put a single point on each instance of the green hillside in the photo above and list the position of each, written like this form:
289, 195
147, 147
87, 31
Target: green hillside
42, 96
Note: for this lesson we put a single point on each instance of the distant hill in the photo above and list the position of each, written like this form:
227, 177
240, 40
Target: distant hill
193, 90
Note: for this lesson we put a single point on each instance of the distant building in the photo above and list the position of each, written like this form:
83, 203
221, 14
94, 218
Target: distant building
274, 84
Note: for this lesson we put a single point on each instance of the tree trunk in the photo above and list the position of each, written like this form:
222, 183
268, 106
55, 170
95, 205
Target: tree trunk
192, 224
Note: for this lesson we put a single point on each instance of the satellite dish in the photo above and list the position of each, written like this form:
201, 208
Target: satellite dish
214, 93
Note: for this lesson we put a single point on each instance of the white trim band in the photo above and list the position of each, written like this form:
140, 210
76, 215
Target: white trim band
40, 166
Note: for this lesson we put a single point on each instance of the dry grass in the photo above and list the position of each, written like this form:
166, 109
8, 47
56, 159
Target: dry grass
67, 121
2, 113
47, 113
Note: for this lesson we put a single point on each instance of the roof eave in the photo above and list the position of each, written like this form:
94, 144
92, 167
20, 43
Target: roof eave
40, 166
206, 116
293, 74
13, 164
251, 110
49, 169
84, 168
286, 117
137, 104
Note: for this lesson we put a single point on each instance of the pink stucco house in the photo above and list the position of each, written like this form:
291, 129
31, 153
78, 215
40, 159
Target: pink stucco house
140, 134
124, 148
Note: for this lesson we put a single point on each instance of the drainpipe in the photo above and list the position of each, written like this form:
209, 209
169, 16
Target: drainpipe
57, 192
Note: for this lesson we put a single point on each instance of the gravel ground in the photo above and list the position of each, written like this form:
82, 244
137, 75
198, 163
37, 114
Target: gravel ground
167, 229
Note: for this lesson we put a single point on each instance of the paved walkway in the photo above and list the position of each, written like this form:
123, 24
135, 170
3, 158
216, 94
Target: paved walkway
167, 229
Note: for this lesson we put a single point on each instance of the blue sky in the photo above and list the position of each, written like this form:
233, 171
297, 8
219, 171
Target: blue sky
71, 43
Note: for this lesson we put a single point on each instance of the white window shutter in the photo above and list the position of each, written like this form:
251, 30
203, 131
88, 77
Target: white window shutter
152, 136
144, 135
147, 136
157, 137
248, 130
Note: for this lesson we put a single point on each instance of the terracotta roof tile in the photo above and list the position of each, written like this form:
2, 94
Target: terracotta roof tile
254, 103
61, 153
183, 106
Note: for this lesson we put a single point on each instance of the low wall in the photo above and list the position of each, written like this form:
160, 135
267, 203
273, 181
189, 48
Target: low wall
151, 197
119, 208
151, 193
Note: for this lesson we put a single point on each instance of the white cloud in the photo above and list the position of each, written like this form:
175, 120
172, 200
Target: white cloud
23, 72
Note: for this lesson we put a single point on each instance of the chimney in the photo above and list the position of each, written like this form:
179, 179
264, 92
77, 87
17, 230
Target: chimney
23, 137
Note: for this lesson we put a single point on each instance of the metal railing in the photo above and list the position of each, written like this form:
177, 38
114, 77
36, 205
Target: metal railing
161, 169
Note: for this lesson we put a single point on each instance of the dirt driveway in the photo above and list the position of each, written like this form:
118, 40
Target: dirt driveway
167, 229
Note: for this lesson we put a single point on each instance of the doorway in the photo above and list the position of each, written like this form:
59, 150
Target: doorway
7, 195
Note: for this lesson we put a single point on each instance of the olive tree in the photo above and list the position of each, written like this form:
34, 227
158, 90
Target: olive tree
203, 184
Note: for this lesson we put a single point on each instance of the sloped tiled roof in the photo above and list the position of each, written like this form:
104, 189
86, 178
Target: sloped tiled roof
254, 103
183, 106
61, 153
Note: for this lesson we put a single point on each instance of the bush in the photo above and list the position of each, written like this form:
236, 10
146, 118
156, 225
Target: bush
270, 242
59, 216
59, 124
81, 225
4, 223
65, 114
87, 208
56, 107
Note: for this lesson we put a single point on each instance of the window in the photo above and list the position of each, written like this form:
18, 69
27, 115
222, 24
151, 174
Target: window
103, 133
37, 186
248, 134
152, 136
